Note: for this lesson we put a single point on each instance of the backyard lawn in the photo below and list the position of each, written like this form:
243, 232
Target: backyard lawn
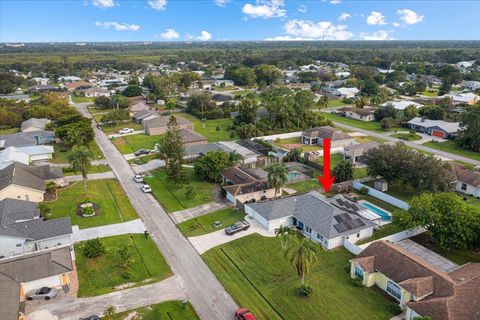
204, 224
131, 143
165, 310
62, 152
399, 190
210, 131
305, 186
407, 136
255, 272
108, 194
114, 128
291, 143
450, 146
8, 131
102, 275
172, 196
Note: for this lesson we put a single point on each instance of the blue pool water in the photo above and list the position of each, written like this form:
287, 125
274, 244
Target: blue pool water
381, 213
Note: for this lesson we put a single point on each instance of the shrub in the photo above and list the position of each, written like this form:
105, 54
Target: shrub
217, 128
305, 290
363, 190
44, 210
51, 186
394, 308
190, 193
88, 210
357, 282
93, 248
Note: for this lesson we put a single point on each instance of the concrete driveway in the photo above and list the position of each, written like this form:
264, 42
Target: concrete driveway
134, 226
428, 255
65, 307
117, 135
187, 214
211, 240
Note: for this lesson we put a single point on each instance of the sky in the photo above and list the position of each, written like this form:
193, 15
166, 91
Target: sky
224, 20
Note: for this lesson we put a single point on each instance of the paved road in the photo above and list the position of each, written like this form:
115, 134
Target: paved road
65, 307
202, 288
134, 226
410, 144
187, 214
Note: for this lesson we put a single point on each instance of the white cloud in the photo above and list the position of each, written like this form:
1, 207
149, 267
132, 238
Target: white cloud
376, 18
335, 1
204, 36
409, 16
118, 26
159, 5
104, 3
377, 35
396, 24
302, 8
323, 30
221, 3
169, 34
265, 9
344, 16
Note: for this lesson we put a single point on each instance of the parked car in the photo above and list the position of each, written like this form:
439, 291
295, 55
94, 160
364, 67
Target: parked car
237, 227
138, 178
141, 152
125, 130
146, 188
92, 317
244, 314
42, 293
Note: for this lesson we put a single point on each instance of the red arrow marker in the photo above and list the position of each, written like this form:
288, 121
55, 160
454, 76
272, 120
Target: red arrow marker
327, 180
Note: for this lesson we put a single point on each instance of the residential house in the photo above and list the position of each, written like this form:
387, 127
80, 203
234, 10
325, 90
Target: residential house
16, 97
422, 289
318, 134
69, 79
206, 84
466, 181
19, 181
41, 81
191, 138
463, 66
298, 86
402, 104
343, 92
363, 114
471, 85
262, 151
140, 106
158, 125
314, 216
223, 83
43, 88
247, 185
26, 155
34, 124
24, 139
431, 80
260, 113
248, 157
94, 92
196, 151
23, 230
355, 152
342, 74
21, 275
436, 128
219, 99
144, 115
78, 85
468, 98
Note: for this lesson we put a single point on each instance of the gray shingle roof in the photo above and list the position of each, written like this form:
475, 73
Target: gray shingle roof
13, 210
38, 124
18, 174
39, 229
326, 132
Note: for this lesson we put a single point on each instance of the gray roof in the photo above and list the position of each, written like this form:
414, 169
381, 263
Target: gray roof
23, 139
32, 177
191, 136
39, 229
13, 210
315, 212
201, 149
162, 122
39, 124
449, 127
326, 132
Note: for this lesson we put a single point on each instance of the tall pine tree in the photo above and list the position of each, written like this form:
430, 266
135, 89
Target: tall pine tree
172, 151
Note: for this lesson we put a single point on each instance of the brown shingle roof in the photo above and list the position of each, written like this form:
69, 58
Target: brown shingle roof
326, 132
162, 121
237, 176
191, 136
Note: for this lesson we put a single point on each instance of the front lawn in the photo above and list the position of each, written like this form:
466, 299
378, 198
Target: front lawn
130, 144
79, 99
62, 152
407, 136
366, 125
101, 275
114, 128
460, 256
333, 103
108, 194
255, 272
165, 310
210, 131
172, 196
451, 147
290, 143
204, 224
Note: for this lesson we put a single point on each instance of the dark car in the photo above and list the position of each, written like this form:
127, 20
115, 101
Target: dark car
244, 314
92, 317
237, 227
141, 152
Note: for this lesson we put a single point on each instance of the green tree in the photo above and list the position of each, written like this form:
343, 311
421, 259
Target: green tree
453, 223
470, 137
102, 102
295, 155
387, 123
125, 260
277, 176
446, 87
80, 160
172, 151
323, 102
109, 313
241, 75
343, 171
93, 248
302, 255
247, 111
267, 74
284, 233
385, 112
132, 91
210, 165
190, 193
432, 112
410, 112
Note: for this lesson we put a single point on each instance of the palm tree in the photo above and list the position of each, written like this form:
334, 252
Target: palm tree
109, 312
80, 160
302, 256
125, 256
323, 102
277, 176
284, 232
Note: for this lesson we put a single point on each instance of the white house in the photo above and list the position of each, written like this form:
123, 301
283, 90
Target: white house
363, 114
471, 85
436, 128
95, 92
317, 219
41, 81
402, 105
69, 79
466, 181
26, 155
345, 92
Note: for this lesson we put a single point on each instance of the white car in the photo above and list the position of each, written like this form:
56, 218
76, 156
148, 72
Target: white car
138, 178
125, 130
146, 188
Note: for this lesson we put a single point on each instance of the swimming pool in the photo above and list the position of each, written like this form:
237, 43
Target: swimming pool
385, 216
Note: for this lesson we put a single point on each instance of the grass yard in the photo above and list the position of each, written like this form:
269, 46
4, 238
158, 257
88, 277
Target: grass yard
296, 140
68, 171
305, 186
172, 196
102, 275
165, 310
362, 139
359, 173
384, 231
203, 224
143, 159
62, 152
450, 146
8, 131
258, 276
112, 129
130, 144
399, 190
460, 256
108, 194
210, 131
333, 103
370, 125
78, 99
428, 93
407, 136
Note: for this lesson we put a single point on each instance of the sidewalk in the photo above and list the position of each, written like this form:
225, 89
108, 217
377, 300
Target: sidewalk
91, 176
134, 226
118, 135
149, 166
187, 214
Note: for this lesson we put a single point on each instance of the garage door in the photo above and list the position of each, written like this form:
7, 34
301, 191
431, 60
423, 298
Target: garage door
439, 134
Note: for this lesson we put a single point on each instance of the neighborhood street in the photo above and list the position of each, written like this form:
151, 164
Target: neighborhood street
202, 288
